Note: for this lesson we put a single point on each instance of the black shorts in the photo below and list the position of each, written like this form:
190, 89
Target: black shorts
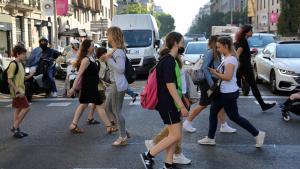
204, 99
170, 117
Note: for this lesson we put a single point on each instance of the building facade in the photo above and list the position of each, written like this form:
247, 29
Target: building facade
21, 20
225, 6
266, 15
87, 19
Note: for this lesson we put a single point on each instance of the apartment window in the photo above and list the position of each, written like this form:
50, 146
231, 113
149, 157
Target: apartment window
29, 33
261, 4
272, 2
19, 27
257, 5
264, 4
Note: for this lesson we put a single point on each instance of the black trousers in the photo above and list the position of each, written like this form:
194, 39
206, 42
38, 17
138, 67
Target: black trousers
247, 73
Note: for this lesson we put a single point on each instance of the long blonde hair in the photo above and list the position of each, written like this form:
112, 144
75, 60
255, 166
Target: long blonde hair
117, 36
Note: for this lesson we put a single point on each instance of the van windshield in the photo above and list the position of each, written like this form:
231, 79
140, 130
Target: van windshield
137, 38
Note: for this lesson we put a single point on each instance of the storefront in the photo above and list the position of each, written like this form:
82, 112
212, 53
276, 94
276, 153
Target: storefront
5, 34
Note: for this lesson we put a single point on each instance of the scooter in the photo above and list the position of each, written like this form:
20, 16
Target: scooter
38, 83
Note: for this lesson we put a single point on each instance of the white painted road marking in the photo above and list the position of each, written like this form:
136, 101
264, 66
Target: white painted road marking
270, 102
62, 104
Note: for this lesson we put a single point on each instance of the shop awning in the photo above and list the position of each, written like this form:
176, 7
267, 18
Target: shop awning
74, 33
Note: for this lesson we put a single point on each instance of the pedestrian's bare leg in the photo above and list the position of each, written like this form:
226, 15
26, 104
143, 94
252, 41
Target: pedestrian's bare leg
77, 115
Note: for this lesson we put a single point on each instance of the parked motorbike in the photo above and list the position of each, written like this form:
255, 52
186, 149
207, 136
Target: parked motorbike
39, 83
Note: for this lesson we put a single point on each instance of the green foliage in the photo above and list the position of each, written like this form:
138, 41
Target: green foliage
204, 24
134, 8
289, 19
165, 22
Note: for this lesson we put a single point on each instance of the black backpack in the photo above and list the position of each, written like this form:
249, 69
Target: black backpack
4, 86
129, 71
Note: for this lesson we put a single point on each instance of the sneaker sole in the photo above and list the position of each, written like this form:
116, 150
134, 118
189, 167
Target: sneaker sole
226, 132
182, 163
208, 144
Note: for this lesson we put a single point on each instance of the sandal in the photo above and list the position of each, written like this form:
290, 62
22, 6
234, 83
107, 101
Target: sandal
111, 129
121, 141
76, 129
92, 121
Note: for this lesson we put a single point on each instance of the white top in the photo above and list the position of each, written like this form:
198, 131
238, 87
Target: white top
117, 67
230, 86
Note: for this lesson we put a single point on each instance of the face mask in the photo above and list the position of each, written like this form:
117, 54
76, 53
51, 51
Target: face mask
181, 50
44, 46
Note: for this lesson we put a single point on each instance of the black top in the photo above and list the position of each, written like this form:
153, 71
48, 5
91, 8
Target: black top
165, 73
89, 85
245, 57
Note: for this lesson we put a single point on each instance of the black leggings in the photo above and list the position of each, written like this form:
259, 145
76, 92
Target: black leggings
229, 102
247, 73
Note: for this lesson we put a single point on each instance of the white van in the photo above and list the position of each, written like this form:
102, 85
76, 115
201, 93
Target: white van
142, 39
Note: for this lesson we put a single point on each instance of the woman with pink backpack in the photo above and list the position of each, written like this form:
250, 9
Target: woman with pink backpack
170, 106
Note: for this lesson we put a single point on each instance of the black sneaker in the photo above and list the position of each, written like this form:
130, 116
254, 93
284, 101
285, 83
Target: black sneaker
173, 167
93, 122
24, 134
268, 106
134, 97
148, 162
18, 135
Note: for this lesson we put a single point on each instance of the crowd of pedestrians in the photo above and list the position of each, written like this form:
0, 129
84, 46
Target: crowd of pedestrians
223, 65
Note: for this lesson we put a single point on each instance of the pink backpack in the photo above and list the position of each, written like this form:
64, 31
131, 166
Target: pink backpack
149, 98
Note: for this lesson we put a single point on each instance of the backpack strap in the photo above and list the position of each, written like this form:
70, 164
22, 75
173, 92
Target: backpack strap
17, 66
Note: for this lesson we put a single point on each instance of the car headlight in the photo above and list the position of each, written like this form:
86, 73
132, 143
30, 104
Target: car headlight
286, 72
187, 62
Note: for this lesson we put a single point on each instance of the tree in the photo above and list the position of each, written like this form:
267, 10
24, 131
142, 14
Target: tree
289, 19
203, 24
166, 23
134, 8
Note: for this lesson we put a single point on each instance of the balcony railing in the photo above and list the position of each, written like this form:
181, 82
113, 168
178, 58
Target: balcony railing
22, 5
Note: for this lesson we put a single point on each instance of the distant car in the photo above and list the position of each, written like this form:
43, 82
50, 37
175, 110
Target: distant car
279, 65
193, 52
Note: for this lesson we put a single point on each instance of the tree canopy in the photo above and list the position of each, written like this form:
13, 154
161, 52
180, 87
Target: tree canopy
289, 19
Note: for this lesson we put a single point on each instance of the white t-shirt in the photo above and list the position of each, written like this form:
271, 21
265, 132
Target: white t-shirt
230, 86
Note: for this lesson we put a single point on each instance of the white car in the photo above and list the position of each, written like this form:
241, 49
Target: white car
279, 65
193, 52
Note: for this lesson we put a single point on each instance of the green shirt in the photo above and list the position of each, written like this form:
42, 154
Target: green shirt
17, 79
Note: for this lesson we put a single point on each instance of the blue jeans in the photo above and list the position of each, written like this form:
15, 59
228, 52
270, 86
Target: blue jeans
130, 92
51, 74
229, 102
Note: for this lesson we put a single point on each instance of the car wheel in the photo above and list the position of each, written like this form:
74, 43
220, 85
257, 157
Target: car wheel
273, 82
257, 80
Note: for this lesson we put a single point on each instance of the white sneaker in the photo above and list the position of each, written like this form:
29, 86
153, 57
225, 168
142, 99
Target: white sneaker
54, 94
188, 126
181, 159
207, 141
225, 128
260, 138
149, 144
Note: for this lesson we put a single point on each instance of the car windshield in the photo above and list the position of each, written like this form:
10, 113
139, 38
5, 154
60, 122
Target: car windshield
260, 41
196, 48
288, 51
138, 38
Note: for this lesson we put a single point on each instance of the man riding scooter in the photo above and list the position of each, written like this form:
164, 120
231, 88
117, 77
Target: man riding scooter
41, 61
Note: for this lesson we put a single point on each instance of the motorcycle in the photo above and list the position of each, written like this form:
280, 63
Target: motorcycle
39, 82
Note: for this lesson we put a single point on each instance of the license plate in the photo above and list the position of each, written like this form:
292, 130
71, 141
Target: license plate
133, 52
